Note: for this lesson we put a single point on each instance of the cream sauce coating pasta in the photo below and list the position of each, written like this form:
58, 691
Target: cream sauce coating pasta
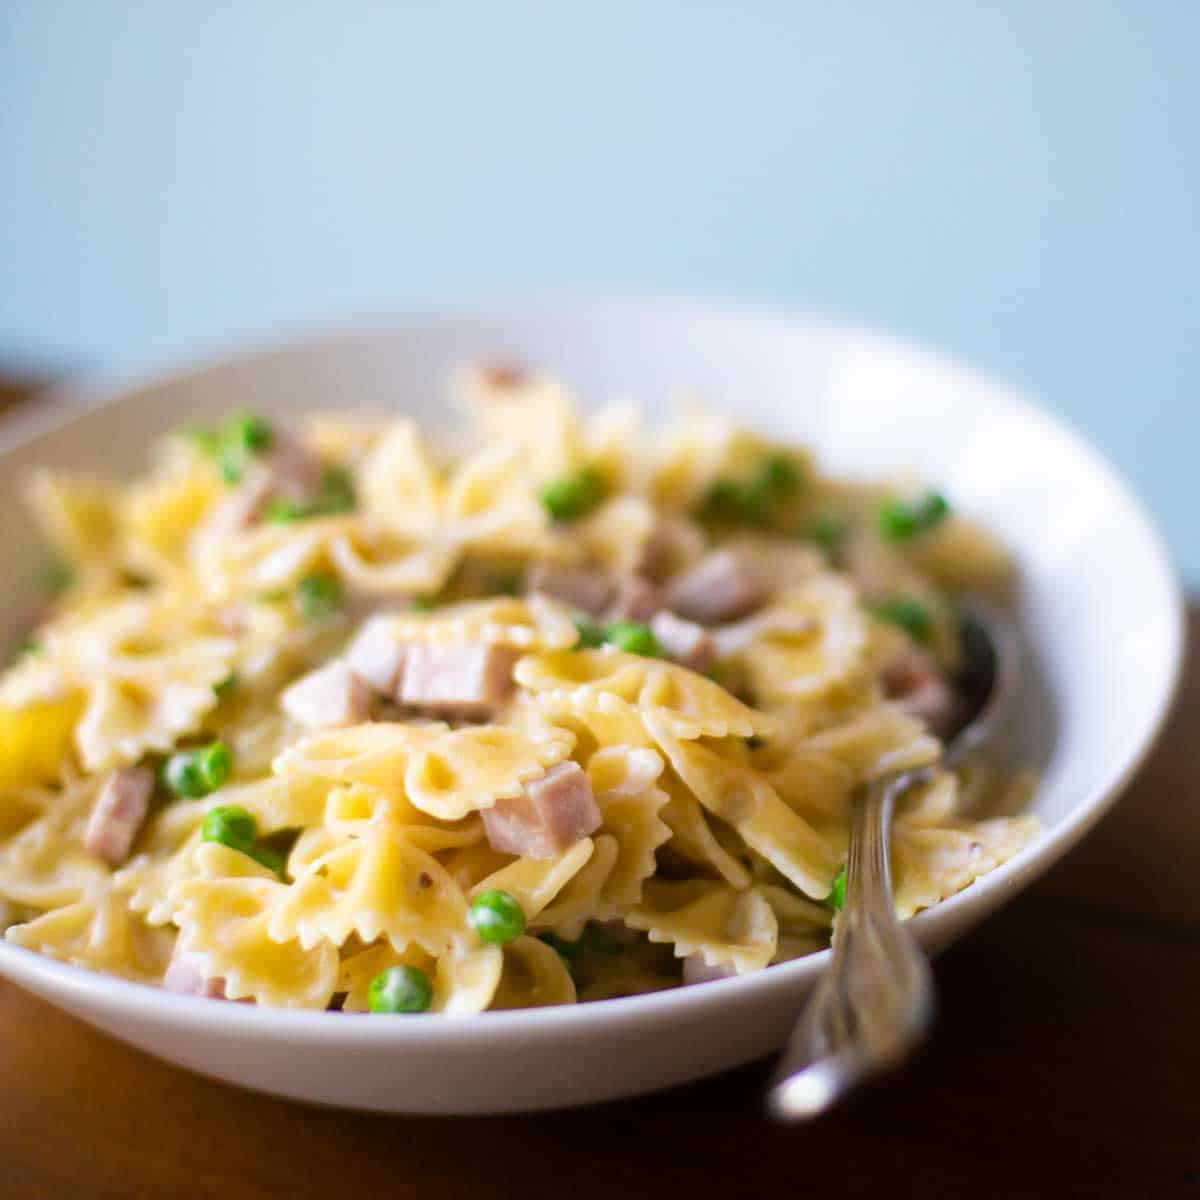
520, 721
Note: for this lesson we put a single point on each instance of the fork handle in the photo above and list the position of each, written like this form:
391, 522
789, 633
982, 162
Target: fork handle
873, 1006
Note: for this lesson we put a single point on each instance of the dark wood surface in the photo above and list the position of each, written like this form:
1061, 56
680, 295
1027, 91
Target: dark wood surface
1066, 1063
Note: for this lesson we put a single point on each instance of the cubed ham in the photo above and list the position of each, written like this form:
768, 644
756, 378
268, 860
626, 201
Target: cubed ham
243, 506
675, 542
330, 696
913, 680
689, 644
549, 816
287, 470
696, 970
118, 813
584, 588
464, 679
722, 587
186, 977
376, 656
295, 470
501, 376
637, 599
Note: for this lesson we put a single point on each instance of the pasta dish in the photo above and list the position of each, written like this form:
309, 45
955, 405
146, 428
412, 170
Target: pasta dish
331, 713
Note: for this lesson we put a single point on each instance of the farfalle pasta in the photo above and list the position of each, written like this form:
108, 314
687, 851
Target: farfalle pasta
343, 715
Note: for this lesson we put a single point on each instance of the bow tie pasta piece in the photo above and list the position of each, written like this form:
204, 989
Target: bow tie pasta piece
101, 933
445, 773
745, 799
693, 706
464, 982
224, 916
536, 418
492, 508
528, 624
623, 782
580, 900
878, 742
726, 927
167, 857
400, 486
618, 535
375, 886
815, 784
160, 516
355, 810
35, 742
376, 564
596, 719
277, 803
936, 853
45, 865
534, 976
692, 838
534, 882
146, 668
813, 641
79, 516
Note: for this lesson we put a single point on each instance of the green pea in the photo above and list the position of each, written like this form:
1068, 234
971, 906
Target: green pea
779, 475
837, 892
337, 491
421, 604
269, 857
573, 495
590, 634
908, 613
285, 512
497, 917
633, 637
29, 647
231, 462
56, 577
725, 500
195, 773
232, 826
828, 530
225, 688
249, 432
401, 989
901, 521
318, 596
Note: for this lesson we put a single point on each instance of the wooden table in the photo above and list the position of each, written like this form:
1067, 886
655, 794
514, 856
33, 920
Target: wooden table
1066, 1063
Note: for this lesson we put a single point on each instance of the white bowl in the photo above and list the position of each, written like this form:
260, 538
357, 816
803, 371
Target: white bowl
1101, 609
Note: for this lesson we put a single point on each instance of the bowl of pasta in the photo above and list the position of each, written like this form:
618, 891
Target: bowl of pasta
461, 713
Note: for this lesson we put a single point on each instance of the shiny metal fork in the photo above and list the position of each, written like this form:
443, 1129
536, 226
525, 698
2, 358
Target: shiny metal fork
874, 1005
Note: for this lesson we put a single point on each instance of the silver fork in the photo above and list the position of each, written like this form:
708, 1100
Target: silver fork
874, 1005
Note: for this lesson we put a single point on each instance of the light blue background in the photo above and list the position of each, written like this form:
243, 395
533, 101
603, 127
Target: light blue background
1017, 181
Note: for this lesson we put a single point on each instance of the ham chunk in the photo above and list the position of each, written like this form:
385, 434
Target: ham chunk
330, 696
462, 679
118, 813
295, 470
547, 818
376, 656
580, 587
689, 644
696, 970
913, 680
721, 587
637, 599
186, 977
